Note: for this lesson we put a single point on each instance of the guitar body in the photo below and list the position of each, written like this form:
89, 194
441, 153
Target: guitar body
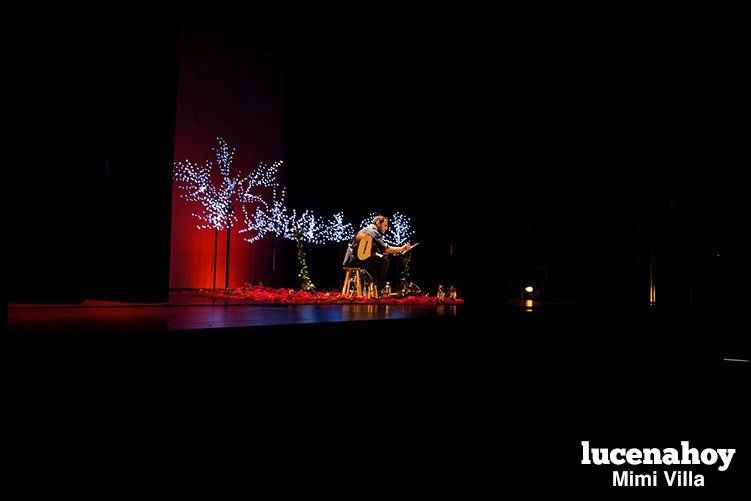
365, 247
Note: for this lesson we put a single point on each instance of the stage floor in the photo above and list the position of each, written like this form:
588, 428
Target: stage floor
186, 314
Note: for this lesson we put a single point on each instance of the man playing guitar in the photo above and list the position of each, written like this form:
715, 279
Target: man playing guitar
370, 251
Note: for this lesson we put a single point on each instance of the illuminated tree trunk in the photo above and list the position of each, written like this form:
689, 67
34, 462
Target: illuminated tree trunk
216, 242
404, 267
306, 283
226, 260
272, 242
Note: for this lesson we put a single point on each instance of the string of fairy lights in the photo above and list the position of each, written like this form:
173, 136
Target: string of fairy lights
271, 219
336, 230
218, 190
400, 230
219, 195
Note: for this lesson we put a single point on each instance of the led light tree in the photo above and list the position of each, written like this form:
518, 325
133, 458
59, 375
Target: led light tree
400, 230
312, 230
274, 221
218, 195
399, 233
367, 221
306, 283
336, 230
309, 228
270, 221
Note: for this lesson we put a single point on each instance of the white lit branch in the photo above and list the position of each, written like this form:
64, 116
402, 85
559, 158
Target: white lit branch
400, 230
218, 194
336, 230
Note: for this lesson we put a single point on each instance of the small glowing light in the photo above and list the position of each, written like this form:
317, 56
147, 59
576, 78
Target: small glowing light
529, 288
529, 303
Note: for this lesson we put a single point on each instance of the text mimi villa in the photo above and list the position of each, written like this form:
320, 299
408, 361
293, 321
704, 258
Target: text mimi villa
686, 455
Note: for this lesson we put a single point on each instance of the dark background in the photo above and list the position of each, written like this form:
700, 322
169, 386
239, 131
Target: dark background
91, 199
548, 160
533, 144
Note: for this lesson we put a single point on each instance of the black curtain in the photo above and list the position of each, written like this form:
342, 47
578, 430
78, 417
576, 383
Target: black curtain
91, 202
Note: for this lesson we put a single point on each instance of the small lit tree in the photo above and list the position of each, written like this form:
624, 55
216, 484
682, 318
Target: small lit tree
218, 195
400, 230
367, 221
269, 221
399, 233
274, 221
308, 229
337, 231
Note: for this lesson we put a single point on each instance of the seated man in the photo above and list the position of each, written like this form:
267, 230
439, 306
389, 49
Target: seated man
377, 264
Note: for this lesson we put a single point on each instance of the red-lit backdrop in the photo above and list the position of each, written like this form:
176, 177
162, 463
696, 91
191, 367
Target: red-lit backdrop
231, 90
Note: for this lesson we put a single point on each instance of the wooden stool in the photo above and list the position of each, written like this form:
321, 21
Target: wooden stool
356, 275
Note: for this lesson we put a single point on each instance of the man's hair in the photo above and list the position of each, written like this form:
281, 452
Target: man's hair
378, 219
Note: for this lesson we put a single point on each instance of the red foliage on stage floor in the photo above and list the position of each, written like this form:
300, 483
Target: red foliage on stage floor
258, 294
